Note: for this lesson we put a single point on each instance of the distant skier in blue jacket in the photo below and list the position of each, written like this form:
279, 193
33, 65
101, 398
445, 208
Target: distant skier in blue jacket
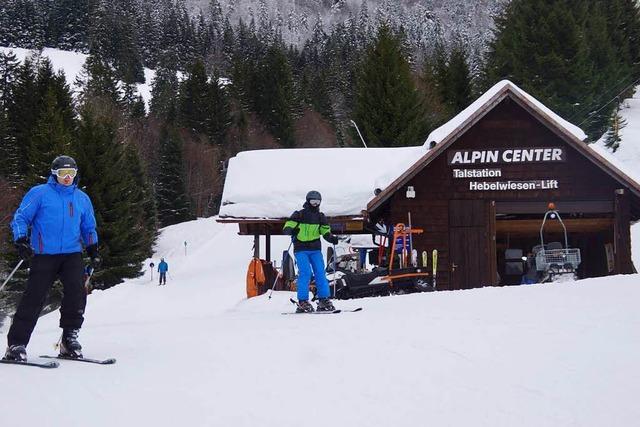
50, 227
163, 267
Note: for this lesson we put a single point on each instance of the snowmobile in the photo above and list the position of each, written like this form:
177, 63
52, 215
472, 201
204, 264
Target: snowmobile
555, 263
402, 274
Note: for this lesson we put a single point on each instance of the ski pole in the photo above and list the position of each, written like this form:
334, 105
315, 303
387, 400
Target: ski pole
335, 272
276, 279
11, 275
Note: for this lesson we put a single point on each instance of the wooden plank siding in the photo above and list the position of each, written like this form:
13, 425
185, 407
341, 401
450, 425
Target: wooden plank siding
444, 204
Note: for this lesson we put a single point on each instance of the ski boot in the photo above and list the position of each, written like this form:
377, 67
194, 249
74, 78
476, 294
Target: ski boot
16, 352
69, 345
325, 304
304, 307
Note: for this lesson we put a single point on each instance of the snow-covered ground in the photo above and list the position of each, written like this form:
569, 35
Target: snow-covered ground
197, 353
72, 62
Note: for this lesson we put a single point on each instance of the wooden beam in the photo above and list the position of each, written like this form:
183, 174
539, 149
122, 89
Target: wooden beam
532, 226
491, 242
256, 246
622, 233
267, 249
539, 207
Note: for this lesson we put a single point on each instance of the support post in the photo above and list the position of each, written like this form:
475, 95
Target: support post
267, 250
622, 233
256, 246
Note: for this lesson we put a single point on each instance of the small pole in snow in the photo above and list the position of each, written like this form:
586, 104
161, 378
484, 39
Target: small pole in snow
151, 266
185, 248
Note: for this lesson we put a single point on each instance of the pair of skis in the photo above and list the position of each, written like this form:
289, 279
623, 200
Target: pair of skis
54, 364
434, 263
322, 312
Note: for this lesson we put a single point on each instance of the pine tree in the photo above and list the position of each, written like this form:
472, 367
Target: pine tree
453, 78
107, 178
173, 203
612, 137
219, 108
98, 81
272, 94
8, 149
50, 138
164, 88
22, 114
144, 207
68, 25
149, 28
388, 108
127, 59
193, 106
8, 68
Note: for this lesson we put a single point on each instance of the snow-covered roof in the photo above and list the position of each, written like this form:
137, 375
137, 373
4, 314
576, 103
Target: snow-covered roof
273, 183
452, 125
446, 134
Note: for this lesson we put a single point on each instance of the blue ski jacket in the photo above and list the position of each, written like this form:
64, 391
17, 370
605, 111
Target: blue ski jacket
60, 217
163, 267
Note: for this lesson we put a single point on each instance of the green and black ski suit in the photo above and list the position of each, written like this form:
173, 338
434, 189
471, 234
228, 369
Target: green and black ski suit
307, 226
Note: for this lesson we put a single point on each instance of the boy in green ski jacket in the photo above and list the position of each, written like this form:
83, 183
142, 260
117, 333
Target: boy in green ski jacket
306, 226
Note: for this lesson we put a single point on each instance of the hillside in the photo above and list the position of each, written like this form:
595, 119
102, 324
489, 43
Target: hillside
627, 157
471, 20
71, 63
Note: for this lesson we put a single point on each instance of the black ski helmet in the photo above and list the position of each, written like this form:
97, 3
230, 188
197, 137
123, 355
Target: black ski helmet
313, 195
62, 162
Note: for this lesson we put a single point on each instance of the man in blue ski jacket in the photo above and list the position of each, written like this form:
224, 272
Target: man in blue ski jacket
50, 227
163, 267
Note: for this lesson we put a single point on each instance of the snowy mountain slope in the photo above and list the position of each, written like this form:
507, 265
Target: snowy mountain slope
72, 62
195, 352
422, 20
627, 156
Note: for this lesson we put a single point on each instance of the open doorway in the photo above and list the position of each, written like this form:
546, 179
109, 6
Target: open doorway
518, 239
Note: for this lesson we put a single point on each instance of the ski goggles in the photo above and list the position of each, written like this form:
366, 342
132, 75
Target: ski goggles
63, 172
314, 202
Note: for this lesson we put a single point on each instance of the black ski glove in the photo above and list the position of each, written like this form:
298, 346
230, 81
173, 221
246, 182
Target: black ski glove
24, 248
332, 238
92, 251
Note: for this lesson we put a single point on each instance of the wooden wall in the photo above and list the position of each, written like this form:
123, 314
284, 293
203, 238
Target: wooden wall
444, 205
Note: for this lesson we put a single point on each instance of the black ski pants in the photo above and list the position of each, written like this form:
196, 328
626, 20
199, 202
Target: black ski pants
44, 271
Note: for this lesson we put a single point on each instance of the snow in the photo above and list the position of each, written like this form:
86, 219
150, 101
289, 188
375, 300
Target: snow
627, 156
72, 62
197, 351
273, 183
445, 130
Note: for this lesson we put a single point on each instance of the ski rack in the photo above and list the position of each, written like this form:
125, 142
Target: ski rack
404, 232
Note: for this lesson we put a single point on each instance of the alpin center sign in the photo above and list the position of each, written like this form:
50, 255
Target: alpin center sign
509, 155
462, 158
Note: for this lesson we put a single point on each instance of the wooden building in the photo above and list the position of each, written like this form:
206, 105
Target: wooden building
481, 184
486, 183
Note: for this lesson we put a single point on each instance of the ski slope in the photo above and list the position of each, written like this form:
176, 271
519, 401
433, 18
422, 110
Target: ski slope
197, 353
